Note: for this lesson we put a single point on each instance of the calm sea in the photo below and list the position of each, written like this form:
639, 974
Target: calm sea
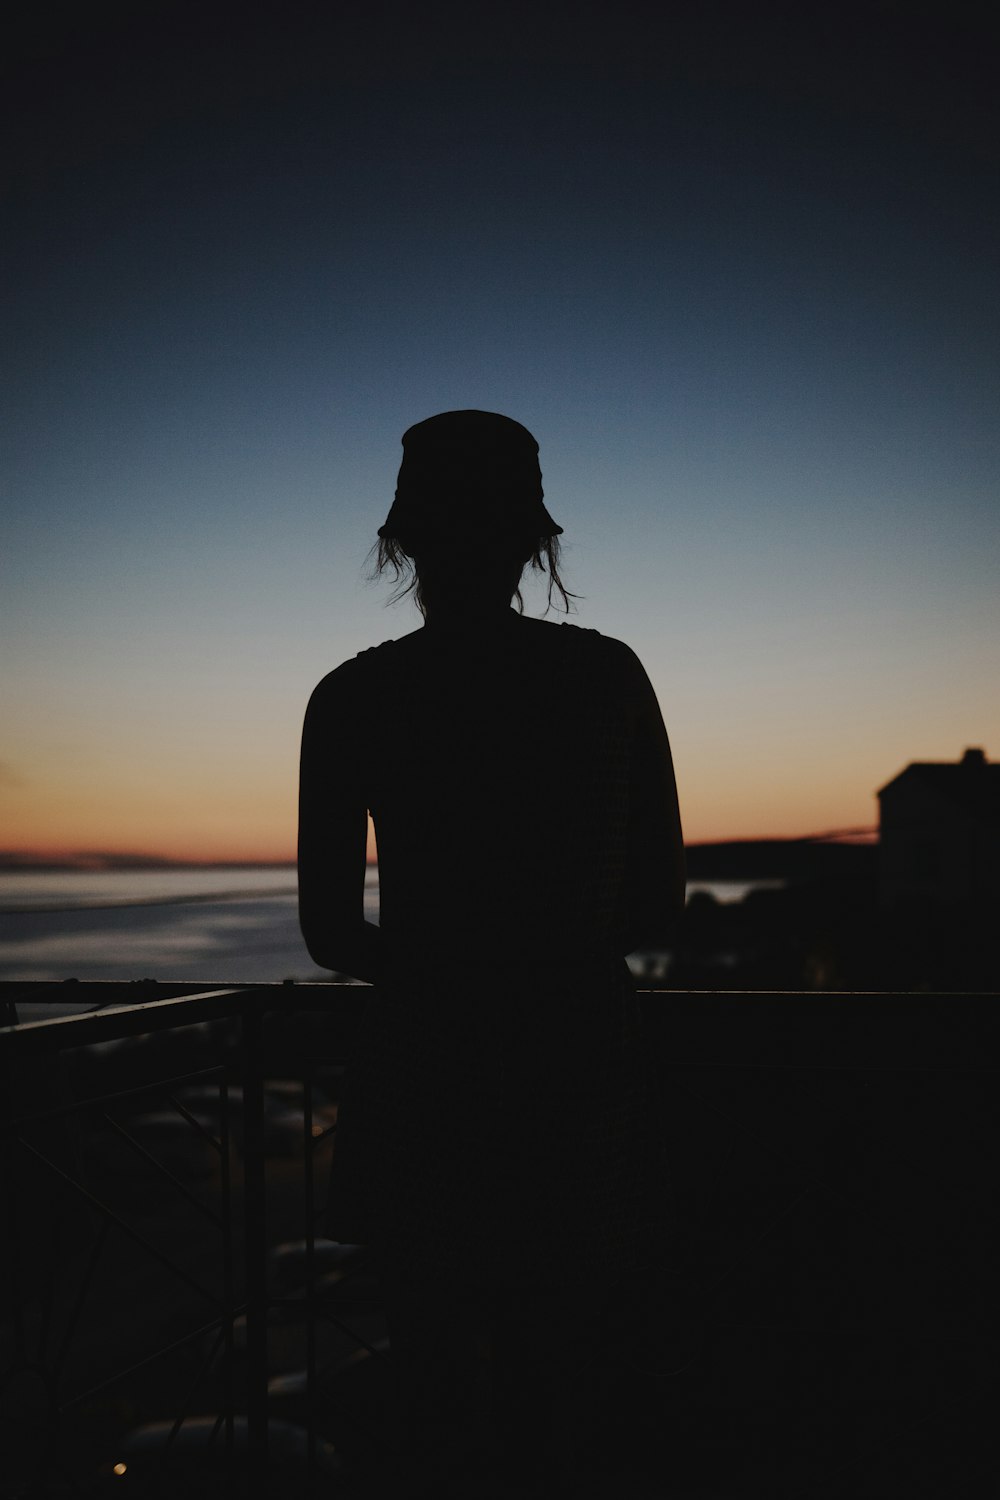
186, 924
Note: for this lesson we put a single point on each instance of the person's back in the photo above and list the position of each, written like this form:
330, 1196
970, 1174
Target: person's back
513, 777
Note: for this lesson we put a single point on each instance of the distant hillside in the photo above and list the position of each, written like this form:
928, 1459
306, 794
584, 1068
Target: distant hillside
780, 859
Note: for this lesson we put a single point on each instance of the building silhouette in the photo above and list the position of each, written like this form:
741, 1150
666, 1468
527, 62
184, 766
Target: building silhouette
939, 834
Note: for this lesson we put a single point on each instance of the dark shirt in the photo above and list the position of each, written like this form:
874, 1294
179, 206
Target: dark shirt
523, 796
496, 1121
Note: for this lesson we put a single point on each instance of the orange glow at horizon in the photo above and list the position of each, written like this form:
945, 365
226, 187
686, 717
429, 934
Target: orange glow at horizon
208, 829
229, 793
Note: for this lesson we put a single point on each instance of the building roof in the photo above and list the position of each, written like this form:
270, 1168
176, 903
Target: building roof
971, 785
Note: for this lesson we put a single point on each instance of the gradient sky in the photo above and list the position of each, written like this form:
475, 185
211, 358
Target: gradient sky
737, 273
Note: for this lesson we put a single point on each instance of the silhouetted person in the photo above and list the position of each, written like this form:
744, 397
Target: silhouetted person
495, 1145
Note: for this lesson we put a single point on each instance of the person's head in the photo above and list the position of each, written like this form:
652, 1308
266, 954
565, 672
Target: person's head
468, 516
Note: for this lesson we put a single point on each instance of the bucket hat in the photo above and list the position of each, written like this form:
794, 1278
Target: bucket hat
468, 470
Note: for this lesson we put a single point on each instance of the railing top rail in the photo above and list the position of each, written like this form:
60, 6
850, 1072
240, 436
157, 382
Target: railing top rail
751, 1027
295, 994
114, 1019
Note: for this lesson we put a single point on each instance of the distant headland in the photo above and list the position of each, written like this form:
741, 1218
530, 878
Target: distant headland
810, 857
13, 861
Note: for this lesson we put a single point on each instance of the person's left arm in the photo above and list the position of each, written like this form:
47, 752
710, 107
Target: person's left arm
333, 833
655, 875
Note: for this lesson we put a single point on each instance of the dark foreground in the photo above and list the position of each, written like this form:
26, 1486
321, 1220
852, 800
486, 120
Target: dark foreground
826, 1325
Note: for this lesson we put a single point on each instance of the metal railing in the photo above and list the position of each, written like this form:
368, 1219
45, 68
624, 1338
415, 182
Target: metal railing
831, 1158
88, 1097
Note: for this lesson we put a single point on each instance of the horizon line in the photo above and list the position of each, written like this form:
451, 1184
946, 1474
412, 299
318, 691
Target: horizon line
13, 861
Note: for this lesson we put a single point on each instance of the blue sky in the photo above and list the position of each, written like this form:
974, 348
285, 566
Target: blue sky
744, 295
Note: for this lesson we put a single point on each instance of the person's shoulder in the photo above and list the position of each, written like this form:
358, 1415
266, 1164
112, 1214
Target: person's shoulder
560, 634
353, 674
606, 648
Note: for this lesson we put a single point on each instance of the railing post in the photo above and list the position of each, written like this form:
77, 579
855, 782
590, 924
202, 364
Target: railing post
255, 1227
310, 1219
